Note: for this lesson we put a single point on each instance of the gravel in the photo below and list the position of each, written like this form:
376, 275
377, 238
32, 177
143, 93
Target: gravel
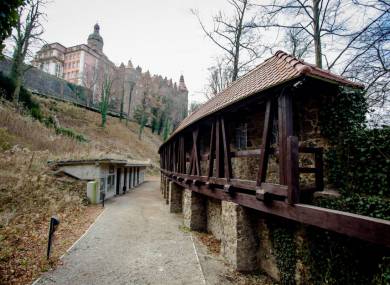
134, 241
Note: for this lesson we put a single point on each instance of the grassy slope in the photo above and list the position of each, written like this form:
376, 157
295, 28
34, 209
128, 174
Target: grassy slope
30, 195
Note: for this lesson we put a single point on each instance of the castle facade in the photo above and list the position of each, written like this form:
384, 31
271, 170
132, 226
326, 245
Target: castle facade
87, 65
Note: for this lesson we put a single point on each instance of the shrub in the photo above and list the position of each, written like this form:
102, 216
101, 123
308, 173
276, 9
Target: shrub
71, 133
8, 87
5, 139
358, 161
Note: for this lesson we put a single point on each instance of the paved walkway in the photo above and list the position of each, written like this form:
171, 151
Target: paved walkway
134, 241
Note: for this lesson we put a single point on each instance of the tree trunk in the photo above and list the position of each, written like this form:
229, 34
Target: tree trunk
104, 119
317, 33
235, 66
18, 85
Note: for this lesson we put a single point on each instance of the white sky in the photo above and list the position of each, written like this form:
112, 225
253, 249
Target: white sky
161, 36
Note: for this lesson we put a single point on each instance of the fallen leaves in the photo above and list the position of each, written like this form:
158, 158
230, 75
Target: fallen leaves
28, 200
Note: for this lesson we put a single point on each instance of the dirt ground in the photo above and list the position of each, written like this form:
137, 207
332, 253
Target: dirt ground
29, 192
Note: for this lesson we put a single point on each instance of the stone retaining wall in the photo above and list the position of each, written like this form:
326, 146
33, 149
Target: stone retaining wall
289, 252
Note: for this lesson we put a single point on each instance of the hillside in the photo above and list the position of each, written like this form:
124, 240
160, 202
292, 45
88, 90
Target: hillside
30, 194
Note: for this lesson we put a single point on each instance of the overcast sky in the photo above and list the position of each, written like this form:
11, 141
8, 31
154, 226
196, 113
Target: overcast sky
160, 36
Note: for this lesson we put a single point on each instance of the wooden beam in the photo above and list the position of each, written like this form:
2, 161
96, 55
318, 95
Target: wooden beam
218, 157
183, 155
292, 170
226, 152
362, 227
265, 143
174, 169
285, 126
211, 151
191, 164
319, 166
196, 151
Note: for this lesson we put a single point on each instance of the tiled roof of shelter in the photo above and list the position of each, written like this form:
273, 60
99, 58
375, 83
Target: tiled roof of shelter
274, 71
104, 160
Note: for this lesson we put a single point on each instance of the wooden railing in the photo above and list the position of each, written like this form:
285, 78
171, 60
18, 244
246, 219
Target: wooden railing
282, 199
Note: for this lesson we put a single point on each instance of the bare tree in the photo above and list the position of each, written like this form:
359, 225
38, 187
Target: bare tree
91, 77
369, 61
194, 106
28, 29
142, 112
324, 21
106, 89
350, 37
235, 36
218, 79
297, 43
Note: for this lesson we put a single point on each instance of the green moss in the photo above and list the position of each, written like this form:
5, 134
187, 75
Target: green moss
284, 245
337, 259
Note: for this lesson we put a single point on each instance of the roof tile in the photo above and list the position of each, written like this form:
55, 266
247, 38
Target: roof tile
275, 70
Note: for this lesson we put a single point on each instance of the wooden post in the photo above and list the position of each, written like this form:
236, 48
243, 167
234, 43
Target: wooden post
211, 151
285, 126
292, 170
265, 143
174, 156
218, 157
183, 156
226, 152
196, 152
319, 165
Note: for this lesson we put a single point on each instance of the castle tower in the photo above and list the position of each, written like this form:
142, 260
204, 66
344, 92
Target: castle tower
182, 85
95, 40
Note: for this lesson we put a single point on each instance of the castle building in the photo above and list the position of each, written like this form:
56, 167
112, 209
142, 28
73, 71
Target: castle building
81, 64
87, 65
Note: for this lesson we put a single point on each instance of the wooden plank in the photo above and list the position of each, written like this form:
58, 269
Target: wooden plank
275, 189
191, 164
362, 227
305, 149
285, 125
211, 153
307, 170
183, 156
281, 136
179, 154
257, 152
226, 152
218, 157
196, 152
265, 143
319, 174
246, 153
174, 168
292, 170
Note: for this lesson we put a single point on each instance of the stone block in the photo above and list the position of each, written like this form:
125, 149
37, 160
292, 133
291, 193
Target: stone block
214, 219
175, 199
194, 211
238, 244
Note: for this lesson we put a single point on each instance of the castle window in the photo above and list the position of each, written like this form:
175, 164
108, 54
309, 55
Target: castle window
241, 137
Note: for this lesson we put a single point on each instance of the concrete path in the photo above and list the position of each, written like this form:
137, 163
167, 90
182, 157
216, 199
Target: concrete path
134, 241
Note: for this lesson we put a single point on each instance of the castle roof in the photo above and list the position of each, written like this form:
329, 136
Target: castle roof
182, 85
95, 40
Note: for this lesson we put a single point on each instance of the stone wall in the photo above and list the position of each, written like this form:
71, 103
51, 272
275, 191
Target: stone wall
173, 100
214, 218
194, 211
51, 86
289, 252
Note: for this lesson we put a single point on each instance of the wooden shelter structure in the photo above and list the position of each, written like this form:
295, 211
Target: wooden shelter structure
203, 153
